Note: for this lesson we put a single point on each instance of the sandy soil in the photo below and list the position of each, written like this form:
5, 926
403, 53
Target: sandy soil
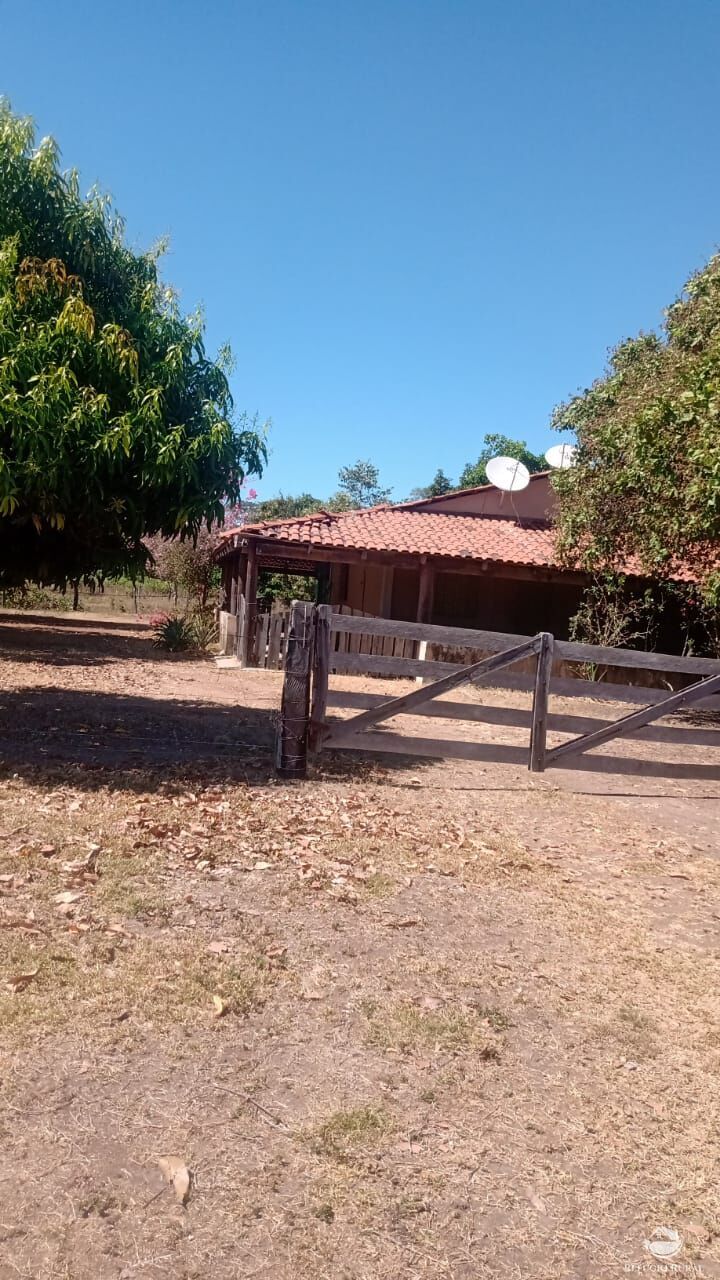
412, 1017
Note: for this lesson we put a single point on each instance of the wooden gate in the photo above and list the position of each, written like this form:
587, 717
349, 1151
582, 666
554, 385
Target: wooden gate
314, 652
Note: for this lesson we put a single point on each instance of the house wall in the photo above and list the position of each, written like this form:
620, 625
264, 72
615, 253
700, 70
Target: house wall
537, 502
482, 601
367, 587
490, 603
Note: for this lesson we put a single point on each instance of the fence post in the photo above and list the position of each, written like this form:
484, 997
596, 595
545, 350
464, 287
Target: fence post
292, 735
538, 733
320, 674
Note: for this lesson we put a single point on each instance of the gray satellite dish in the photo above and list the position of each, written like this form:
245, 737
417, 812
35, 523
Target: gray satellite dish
507, 474
561, 455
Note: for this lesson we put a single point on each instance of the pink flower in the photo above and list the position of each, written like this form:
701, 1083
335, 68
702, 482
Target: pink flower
252, 494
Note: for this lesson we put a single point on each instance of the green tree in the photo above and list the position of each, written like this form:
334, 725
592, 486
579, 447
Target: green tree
496, 445
647, 478
114, 423
439, 485
283, 507
359, 486
188, 565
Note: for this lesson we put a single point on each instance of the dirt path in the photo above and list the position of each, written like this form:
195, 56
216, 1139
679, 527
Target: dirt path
405, 1019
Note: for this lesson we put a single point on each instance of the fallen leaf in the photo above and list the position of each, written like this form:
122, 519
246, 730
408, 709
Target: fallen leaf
22, 980
47, 850
67, 897
262, 866
176, 1172
220, 1006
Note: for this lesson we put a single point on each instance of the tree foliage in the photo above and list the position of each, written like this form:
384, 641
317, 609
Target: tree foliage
647, 479
188, 564
114, 423
283, 507
496, 445
359, 486
439, 485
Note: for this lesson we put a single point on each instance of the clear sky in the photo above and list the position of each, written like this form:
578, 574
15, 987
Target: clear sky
415, 221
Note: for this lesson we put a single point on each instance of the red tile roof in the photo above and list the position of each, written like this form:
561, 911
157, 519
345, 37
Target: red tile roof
394, 529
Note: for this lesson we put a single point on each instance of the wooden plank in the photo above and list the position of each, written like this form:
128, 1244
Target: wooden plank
676, 733
497, 753
595, 690
358, 663
694, 693
247, 656
292, 737
320, 674
462, 637
403, 704
284, 633
538, 731
274, 636
263, 628
496, 641
240, 633
601, 690
599, 656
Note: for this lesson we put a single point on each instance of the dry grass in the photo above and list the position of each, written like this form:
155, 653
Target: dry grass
405, 1027
461, 1039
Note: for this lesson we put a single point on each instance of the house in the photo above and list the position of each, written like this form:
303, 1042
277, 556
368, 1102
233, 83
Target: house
475, 558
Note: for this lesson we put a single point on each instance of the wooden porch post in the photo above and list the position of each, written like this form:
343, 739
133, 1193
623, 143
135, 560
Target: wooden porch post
426, 592
225, 580
246, 651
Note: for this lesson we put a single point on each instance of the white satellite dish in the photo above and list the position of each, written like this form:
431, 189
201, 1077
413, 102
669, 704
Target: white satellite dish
561, 455
507, 474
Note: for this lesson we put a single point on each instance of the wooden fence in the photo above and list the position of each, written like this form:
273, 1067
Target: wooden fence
314, 653
261, 641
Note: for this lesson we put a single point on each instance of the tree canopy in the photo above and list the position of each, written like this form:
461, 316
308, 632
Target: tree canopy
647, 479
359, 486
114, 423
439, 485
497, 445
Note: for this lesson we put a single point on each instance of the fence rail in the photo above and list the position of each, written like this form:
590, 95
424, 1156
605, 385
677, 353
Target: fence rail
313, 655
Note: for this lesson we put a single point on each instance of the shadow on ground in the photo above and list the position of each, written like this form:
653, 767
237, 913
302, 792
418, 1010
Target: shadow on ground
67, 642
127, 742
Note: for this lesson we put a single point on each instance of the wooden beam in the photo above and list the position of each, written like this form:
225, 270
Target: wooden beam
292, 737
247, 648
494, 641
320, 674
404, 704
538, 731
694, 693
426, 590
446, 564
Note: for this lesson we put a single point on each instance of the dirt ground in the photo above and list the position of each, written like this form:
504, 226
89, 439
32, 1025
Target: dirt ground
409, 1018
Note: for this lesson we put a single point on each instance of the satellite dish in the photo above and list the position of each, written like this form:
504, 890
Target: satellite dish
507, 474
561, 455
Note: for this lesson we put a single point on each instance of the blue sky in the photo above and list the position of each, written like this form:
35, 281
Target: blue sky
414, 221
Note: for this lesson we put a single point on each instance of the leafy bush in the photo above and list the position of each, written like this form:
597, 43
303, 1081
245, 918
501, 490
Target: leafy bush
31, 597
172, 632
204, 629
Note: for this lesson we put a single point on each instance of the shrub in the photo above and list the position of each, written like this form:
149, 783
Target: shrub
172, 632
204, 629
31, 597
